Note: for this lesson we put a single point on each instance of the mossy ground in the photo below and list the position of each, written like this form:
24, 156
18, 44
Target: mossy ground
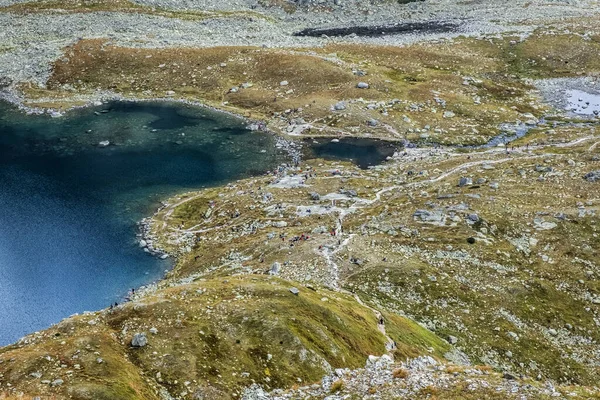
482, 82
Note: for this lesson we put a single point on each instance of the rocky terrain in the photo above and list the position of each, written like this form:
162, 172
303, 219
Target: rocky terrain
465, 266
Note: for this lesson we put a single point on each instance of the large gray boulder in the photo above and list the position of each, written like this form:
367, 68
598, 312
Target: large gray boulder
139, 340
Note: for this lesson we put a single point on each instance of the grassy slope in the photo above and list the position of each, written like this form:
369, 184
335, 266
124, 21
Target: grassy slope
211, 333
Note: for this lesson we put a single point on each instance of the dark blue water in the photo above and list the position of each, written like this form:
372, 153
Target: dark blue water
363, 152
69, 208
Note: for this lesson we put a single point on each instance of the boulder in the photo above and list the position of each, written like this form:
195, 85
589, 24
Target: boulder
139, 340
593, 176
339, 106
294, 291
362, 85
465, 181
275, 267
5, 81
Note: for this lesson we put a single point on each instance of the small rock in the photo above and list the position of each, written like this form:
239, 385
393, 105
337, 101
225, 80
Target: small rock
104, 143
284, 83
473, 217
465, 181
294, 291
153, 330
339, 106
362, 85
275, 268
57, 382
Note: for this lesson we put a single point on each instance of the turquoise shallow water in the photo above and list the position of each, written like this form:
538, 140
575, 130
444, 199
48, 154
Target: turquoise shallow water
69, 208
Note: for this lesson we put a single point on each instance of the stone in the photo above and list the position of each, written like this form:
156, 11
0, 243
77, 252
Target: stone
170, 93
5, 81
315, 196
57, 382
465, 181
473, 217
362, 85
280, 224
104, 143
275, 267
494, 185
452, 339
449, 114
543, 168
234, 89
294, 291
356, 261
542, 225
339, 106
153, 330
139, 340
143, 243
593, 176
284, 83
372, 122
372, 360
